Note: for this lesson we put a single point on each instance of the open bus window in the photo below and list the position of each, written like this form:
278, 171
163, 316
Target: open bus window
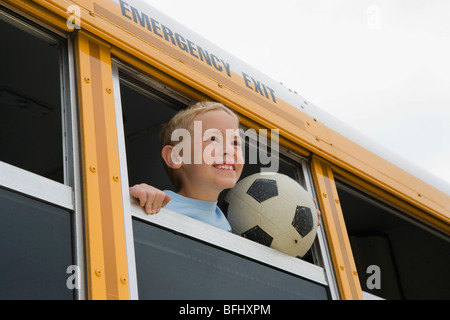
30, 101
143, 115
143, 112
396, 257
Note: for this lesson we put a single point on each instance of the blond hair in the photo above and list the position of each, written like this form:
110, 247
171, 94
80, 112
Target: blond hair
184, 119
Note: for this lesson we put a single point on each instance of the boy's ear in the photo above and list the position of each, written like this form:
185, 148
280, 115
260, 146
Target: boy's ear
173, 161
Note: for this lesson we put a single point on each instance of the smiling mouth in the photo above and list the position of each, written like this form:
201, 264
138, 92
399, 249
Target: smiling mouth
230, 167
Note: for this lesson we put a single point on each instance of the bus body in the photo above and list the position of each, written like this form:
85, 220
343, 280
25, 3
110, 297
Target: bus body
85, 86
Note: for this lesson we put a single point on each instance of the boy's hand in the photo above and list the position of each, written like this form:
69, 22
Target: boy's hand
150, 198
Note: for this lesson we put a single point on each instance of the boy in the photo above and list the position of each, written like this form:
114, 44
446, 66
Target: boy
199, 173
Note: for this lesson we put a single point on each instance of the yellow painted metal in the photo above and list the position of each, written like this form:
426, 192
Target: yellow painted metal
196, 95
105, 233
35, 10
339, 243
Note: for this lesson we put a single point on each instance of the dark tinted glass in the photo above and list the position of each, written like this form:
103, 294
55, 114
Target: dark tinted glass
30, 102
35, 249
171, 266
413, 260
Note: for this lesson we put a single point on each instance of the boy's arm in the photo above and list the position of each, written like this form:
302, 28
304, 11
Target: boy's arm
150, 198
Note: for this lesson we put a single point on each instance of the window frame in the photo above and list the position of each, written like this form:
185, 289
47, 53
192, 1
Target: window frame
410, 220
200, 231
67, 195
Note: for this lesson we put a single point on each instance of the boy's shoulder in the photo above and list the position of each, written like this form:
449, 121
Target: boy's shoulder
205, 211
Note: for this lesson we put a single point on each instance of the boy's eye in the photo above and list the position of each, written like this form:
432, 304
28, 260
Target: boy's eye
212, 139
237, 142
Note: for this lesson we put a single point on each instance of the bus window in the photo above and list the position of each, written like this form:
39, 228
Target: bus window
30, 101
143, 114
396, 257
165, 249
39, 237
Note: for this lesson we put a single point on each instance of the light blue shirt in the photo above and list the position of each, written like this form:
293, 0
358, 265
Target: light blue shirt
206, 211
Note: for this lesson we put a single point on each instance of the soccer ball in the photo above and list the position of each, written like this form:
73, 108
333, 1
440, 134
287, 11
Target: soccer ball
273, 210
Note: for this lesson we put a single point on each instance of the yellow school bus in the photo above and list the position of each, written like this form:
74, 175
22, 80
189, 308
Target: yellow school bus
85, 86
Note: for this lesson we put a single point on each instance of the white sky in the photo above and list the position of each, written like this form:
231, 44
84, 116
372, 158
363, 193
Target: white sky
382, 67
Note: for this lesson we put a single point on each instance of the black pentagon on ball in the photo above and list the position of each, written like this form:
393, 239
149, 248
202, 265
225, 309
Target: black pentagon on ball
303, 220
258, 235
263, 189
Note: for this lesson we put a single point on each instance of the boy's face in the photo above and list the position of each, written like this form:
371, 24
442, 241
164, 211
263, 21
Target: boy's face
221, 159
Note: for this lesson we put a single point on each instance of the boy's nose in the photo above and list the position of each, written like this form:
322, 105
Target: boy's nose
227, 155
228, 149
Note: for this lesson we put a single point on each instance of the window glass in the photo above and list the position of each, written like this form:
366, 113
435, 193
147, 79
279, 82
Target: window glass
396, 257
36, 249
171, 266
30, 102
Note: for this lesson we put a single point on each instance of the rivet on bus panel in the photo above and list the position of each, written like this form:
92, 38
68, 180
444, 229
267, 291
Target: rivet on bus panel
87, 79
115, 178
123, 280
98, 272
93, 169
108, 90
342, 267
324, 195
220, 85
